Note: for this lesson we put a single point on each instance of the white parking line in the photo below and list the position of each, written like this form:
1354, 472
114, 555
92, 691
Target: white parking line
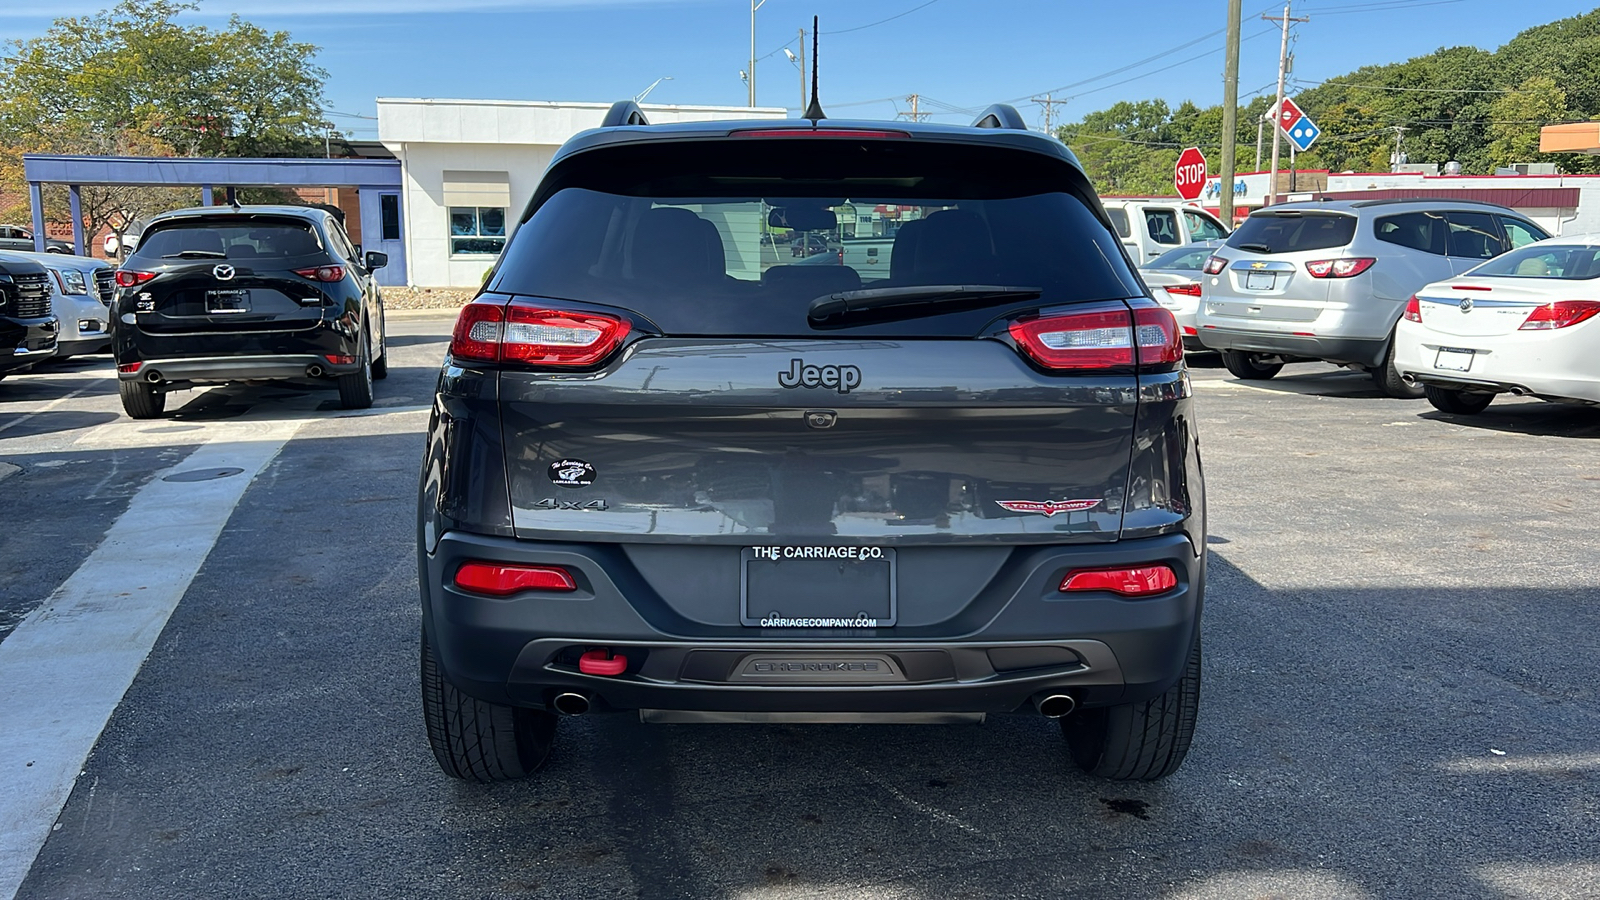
66, 667
51, 405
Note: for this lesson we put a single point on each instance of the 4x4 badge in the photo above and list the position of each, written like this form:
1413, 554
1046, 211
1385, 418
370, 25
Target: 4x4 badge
553, 503
1048, 508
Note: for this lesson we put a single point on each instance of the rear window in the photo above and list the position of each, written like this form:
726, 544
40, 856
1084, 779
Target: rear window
771, 226
1119, 220
270, 240
1265, 232
1566, 263
1425, 231
1190, 257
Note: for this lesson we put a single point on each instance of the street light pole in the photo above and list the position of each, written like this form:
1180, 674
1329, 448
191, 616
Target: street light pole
1230, 113
754, 5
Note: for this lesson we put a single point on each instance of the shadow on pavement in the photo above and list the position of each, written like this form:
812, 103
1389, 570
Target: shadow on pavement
1536, 418
53, 421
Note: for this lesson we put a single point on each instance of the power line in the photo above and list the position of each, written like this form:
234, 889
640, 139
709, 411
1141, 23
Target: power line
881, 21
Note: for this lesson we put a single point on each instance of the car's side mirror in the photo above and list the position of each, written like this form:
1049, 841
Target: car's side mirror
376, 260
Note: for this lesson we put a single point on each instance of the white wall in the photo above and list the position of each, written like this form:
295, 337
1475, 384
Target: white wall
518, 137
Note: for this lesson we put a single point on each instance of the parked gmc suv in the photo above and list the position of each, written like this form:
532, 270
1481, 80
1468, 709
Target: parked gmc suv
28, 329
674, 473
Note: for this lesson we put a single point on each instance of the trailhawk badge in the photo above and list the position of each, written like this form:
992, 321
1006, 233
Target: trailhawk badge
1048, 508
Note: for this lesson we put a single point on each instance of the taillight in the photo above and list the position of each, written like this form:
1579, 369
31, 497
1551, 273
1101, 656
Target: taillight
502, 580
1560, 314
130, 278
553, 337
1157, 334
322, 273
1187, 290
477, 332
1339, 268
1101, 339
129, 368
1214, 265
1134, 581
515, 332
1413, 311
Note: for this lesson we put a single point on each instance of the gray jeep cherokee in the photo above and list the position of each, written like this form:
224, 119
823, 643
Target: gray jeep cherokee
672, 472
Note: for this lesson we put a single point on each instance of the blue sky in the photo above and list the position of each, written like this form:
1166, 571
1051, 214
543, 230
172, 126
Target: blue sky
960, 54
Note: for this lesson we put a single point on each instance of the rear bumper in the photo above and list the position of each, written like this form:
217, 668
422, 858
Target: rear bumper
523, 650
1355, 351
221, 369
1546, 364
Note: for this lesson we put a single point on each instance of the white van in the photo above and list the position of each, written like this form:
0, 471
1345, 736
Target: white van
1150, 228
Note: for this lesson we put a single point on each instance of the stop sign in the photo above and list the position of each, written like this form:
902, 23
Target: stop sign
1189, 177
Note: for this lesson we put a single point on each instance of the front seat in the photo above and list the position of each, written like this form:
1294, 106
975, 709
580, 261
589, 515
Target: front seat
674, 246
954, 247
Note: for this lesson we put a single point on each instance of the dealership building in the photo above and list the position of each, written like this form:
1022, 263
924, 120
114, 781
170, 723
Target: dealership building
469, 166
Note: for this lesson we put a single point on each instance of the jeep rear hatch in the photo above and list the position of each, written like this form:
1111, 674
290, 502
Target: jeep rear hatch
687, 355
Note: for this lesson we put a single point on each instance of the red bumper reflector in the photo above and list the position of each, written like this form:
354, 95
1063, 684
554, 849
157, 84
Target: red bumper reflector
338, 360
129, 368
1189, 330
499, 580
1138, 581
601, 662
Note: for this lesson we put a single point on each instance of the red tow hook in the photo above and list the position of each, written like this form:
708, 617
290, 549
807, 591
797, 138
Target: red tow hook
601, 662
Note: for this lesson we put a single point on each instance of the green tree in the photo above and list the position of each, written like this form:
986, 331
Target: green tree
134, 80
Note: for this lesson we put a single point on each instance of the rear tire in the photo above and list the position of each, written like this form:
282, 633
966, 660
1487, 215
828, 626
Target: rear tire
1387, 377
355, 389
1143, 741
141, 400
1248, 366
478, 741
1458, 402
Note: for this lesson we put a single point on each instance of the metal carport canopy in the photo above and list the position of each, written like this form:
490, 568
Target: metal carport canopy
366, 175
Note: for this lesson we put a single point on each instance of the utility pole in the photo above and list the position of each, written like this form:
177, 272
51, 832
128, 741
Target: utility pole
1230, 112
1277, 106
1260, 123
1398, 159
916, 114
802, 106
1049, 103
754, 5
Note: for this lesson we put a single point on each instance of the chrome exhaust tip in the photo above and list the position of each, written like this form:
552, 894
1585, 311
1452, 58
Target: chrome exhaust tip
1408, 378
313, 371
153, 376
1055, 706
571, 704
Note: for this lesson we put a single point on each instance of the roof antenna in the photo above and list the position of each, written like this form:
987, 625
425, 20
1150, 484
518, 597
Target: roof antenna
814, 110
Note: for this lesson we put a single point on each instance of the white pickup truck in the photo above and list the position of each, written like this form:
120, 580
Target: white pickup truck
1150, 228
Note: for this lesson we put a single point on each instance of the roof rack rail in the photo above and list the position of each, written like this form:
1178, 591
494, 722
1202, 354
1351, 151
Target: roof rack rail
1441, 196
624, 112
1000, 115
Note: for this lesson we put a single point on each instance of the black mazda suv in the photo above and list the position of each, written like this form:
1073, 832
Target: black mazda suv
225, 294
952, 473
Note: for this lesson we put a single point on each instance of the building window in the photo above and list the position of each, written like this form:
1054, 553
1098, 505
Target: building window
477, 230
389, 213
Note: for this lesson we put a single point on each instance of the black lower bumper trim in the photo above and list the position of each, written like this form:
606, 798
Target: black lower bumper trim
1351, 351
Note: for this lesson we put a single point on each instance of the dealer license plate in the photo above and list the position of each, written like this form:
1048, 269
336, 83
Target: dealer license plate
1259, 281
818, 587
236, 301
1455, 360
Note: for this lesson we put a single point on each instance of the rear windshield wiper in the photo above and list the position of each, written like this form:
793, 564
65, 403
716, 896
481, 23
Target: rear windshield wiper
914, 300
1259, 248
196, 254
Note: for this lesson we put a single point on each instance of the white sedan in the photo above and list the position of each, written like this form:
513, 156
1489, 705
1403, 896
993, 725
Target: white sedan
1526, 322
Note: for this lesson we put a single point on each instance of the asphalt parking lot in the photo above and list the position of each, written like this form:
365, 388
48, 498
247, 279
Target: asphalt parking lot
1399, 701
